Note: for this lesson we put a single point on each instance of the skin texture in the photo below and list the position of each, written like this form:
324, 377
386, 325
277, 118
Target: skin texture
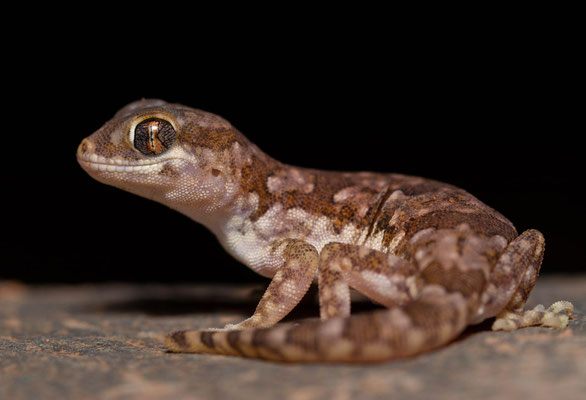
434, 255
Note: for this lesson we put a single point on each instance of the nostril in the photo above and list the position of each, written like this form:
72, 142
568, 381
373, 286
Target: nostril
85, 147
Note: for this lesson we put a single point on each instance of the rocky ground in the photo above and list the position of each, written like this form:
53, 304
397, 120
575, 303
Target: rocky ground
105, 342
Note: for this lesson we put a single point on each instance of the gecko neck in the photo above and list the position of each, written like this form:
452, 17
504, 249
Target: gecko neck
237, 187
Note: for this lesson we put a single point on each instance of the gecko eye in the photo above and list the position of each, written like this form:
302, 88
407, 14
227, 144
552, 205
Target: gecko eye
153, 136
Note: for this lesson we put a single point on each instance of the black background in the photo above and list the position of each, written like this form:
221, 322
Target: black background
499, 115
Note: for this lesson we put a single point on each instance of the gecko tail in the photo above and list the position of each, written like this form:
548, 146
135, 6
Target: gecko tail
419, 326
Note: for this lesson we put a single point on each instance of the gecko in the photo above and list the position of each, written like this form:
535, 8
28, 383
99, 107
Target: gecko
435, 257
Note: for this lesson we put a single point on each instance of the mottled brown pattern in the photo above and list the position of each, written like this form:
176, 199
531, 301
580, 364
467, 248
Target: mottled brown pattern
439, 210
167, 170
332, 303
324, 185
288, 286
319, 201
482, 222
377, 275
215, 139
377, 213
254, 177
383, 223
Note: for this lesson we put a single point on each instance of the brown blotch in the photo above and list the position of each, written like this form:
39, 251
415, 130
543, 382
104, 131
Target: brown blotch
259, 337
232, 337
423, 315
215, 172
453, 279
167, 170
362, 328
262, 344
304, 335
179, 338
207, 338
480, 222
411, 188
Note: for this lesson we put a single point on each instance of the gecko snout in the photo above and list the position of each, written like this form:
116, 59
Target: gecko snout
85, 147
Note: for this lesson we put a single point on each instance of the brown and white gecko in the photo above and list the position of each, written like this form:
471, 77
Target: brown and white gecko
433, 254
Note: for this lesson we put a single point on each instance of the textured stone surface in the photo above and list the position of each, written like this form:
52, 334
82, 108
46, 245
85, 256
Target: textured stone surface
105, 342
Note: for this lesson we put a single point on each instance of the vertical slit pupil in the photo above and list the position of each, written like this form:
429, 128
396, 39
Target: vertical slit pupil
153, 129
154, 136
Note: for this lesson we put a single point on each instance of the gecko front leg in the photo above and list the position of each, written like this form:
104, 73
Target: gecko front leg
288, 286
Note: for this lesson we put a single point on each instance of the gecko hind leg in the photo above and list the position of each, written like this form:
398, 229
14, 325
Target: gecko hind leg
555, 316
385, 279
522, 258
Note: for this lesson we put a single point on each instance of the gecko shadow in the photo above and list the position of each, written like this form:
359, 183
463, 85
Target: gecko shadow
471, 330
208, 301
169, 300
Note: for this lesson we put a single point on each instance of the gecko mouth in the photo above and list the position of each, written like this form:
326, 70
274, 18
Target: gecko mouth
99, 163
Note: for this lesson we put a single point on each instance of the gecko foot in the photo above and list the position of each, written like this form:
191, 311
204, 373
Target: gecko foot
556, 316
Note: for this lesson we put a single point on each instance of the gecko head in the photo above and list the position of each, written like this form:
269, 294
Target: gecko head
161, 151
